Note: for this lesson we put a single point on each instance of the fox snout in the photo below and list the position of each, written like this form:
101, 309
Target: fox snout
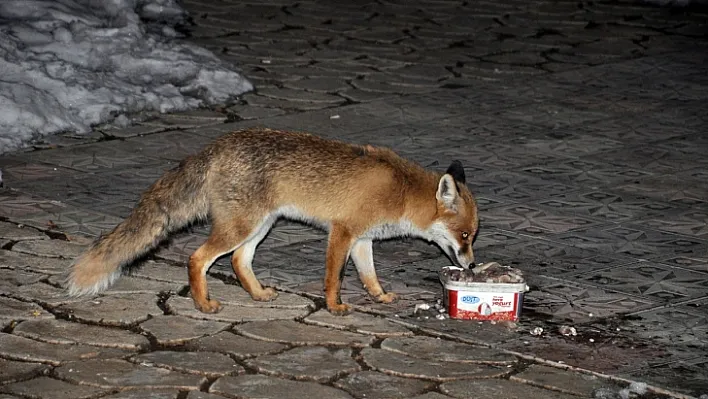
465, 260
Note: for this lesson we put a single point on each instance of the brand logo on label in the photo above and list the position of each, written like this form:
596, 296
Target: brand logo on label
470, 299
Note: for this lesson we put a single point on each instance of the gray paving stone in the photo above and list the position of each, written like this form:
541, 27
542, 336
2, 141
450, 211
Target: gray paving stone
233, 294
49, 388
12, 232
291, 332
114, 310
50, 248
271, 102
38, 264
234, 345
375, 385
63, 332
359, 322
12, 309
11, 371
146, 394
318, 84
260, 386
562, 380
45, 294
13, 277
432, 348
202, 363
160, 271
385, 87
233, 313
300, 96
202, 395
431, 395
361, 96
247, 113
176, 330
19, 348
405, 366
313, 363
116, 373
134, 285
499, 389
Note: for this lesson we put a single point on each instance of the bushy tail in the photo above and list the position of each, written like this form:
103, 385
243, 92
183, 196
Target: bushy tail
175, 200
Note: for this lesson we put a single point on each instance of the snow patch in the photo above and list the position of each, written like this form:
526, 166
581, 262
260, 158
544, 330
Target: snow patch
67, 65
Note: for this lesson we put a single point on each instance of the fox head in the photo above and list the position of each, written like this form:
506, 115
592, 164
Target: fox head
456, 223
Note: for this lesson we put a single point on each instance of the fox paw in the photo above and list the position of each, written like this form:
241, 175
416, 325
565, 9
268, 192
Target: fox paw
386, 298
266, 295
210, 306
339, 309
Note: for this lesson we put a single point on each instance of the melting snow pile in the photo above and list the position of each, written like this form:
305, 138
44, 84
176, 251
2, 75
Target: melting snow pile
66, 65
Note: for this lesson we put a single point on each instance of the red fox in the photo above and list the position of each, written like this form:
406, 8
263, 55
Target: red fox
247, 179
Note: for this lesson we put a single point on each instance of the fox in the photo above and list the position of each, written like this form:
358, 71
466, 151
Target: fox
247, 179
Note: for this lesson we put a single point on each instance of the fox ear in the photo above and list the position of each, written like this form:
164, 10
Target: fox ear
457, 171
447, 192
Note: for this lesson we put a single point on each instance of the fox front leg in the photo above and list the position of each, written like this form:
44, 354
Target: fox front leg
363, 257
340, 242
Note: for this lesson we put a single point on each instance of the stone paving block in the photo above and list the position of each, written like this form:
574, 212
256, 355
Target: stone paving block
11, 371
114, 310
20, 348
12, 309
202, 395
55, 331
176, 330
45, 294
10, 278
375, 385
49, 388
561, 380
146, 394
360, 322
259, 386
233, 294
432, 395
234, 345
134, 285
201, 363
233, 313
50, 248
318, 84
499, 389
433, 370
248, 113
431, 348
160, 271
270, 102
313, 363
291, 332
12, 232
469, 331
114, 373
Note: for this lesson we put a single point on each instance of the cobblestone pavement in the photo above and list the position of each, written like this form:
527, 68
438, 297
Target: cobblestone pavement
582, 126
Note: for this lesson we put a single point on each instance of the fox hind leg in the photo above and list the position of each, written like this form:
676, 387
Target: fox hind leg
222, 240
242, 260
363, 257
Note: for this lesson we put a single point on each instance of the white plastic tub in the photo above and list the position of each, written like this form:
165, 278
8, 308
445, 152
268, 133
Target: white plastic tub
483, 301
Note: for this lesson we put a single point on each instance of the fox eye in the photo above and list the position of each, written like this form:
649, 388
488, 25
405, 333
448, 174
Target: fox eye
465, 235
